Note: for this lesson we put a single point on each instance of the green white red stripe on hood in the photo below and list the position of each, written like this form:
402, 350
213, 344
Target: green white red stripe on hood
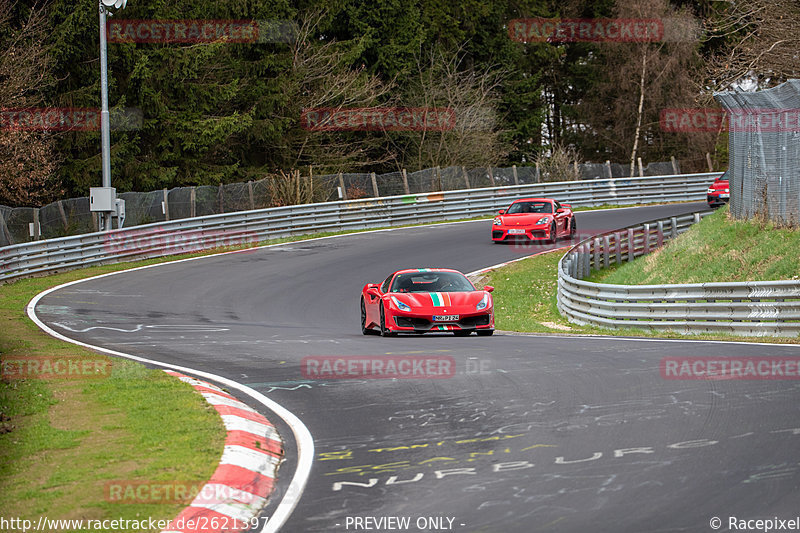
441, 299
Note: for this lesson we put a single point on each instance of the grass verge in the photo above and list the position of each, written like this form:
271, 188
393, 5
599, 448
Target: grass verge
718, 248
525, 299
63, 440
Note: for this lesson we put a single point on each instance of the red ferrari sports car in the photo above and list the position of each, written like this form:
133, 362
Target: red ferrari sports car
420, 300
534, 219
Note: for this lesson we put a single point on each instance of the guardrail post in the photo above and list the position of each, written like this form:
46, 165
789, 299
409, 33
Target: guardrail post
646, 249
63, 215
587, 257
374, 184
165, 194
250, 192
597, 260
466, 176
537, 172
405, 182
631, 245
696, 218
4, 228
674, 164
344, 189
220, 198
660, 240
606, 250
618, 246
193, 202
608, 168
641, 170
674, 222
514, 170
37, 230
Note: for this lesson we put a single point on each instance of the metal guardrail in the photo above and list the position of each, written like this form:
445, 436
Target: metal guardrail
214, 231
753, 308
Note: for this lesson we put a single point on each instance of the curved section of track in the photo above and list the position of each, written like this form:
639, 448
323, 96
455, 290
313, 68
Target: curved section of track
532, 433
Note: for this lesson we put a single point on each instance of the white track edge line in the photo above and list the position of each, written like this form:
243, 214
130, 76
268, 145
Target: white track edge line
305, 443
300, 431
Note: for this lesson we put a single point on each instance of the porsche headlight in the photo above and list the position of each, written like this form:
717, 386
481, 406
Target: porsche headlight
543, 220
498, 221
483, 303
400, 305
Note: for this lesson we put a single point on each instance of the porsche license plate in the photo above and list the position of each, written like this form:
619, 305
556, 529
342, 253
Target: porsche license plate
516, 232
445, 318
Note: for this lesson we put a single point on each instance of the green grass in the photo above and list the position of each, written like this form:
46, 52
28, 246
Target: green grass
525, 301
716, 249
62, 439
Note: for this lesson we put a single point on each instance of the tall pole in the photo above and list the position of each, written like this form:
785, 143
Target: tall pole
105, 134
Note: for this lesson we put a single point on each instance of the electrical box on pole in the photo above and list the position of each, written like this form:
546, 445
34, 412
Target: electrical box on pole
103, 199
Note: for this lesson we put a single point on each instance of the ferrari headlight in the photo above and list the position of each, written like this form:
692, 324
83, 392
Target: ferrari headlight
498, 222
543, 220
727, 190
400, 305
483, 303
710, 191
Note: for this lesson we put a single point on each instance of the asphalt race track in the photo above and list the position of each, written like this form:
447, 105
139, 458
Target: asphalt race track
532, 433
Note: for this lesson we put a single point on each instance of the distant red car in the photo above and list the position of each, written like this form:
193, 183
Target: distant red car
421, 300
719, 193
534, 219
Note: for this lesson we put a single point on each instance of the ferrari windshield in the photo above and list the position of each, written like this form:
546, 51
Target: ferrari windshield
431, 282
530, 207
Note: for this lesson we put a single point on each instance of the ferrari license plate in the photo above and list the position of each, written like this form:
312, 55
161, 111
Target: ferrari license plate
516, 232
445, 318
725, 195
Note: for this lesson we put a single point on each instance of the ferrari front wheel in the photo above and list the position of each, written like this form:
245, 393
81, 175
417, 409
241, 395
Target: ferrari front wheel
384, 330
364, 329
